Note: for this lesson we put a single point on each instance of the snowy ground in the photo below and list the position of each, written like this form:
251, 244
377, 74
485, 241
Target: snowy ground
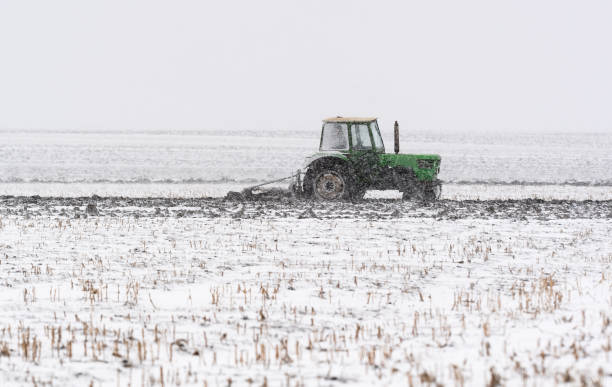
204, 292
194, 190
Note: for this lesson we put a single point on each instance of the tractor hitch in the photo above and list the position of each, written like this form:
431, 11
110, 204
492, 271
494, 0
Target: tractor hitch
257, 192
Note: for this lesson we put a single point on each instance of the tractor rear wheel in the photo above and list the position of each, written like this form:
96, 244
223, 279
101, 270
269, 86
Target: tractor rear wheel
331, 184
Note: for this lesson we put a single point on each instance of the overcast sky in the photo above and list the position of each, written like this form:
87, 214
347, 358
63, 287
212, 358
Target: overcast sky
443, 65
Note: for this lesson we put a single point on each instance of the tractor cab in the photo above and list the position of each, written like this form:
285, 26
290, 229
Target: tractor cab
349, 135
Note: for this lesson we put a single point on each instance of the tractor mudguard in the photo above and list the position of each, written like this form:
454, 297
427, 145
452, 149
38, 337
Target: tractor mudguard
321, 155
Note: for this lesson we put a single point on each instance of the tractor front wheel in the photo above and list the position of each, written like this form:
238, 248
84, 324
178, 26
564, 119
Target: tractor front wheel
358, 194
430, 192
426, 192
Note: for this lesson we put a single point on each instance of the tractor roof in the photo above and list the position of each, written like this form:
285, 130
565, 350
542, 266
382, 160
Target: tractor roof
350, 119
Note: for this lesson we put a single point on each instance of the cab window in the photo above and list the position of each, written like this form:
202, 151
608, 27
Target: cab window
378, 142
334, 137
361, 137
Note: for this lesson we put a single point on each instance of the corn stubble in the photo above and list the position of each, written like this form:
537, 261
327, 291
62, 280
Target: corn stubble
288, 302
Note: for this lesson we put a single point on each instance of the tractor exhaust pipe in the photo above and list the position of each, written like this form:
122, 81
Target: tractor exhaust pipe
396, 137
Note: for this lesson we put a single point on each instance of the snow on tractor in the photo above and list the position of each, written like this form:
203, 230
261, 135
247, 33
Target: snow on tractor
352, 160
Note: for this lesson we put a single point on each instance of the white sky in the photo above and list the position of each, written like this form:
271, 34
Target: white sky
435, 64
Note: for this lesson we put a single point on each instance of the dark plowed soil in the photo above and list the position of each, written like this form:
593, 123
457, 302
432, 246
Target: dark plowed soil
287, 207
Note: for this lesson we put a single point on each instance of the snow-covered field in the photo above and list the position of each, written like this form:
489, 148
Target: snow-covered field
152, 294
505, 281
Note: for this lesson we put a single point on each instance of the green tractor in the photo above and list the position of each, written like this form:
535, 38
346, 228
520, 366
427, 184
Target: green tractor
352, 160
